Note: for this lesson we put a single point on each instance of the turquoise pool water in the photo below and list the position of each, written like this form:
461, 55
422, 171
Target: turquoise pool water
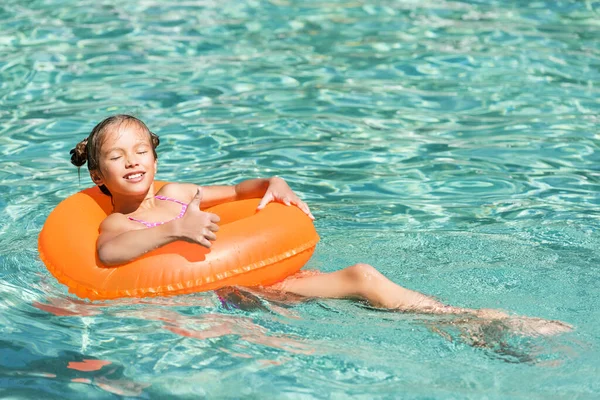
452, 144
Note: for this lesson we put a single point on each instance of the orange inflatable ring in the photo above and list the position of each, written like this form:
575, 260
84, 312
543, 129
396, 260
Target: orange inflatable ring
252, 248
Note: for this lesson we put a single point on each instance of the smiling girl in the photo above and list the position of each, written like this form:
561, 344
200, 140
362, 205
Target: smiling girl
121, 157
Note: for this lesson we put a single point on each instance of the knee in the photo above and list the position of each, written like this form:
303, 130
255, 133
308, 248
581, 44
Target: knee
362, 275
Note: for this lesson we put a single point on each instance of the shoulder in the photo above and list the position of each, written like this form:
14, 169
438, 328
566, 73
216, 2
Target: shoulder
180, 191
114, 225
115, 222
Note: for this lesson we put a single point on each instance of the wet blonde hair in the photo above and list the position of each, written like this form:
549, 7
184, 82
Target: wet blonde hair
88, 150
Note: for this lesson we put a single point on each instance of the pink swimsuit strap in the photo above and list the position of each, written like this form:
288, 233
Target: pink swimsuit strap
153, 224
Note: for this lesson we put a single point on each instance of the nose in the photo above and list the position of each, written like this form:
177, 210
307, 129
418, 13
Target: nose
130, 161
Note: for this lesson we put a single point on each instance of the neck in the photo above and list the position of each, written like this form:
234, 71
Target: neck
131, 203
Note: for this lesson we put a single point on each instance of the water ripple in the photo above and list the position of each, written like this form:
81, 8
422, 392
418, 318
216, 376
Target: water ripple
454, 144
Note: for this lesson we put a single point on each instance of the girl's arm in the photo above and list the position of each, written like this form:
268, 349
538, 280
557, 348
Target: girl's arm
119, 242
270, 189
248, 189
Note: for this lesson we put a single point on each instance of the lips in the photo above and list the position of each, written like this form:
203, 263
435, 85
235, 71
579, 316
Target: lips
134, 176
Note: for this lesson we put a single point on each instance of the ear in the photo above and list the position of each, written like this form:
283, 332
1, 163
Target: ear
96, 177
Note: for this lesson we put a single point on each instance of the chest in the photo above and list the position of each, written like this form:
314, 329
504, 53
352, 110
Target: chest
164, 210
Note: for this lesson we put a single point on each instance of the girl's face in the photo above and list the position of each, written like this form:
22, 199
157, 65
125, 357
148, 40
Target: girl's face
126, 165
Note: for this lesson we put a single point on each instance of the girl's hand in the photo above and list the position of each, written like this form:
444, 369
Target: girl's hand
197, 226
280, 192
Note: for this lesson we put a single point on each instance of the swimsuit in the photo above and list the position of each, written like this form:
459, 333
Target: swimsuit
153, 224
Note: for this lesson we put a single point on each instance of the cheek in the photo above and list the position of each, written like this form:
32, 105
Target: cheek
107, 170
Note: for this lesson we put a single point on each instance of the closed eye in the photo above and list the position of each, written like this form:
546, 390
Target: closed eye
115, 158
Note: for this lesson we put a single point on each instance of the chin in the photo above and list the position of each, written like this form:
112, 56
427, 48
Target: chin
139, 189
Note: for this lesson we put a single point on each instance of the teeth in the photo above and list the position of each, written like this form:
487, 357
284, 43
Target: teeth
134, 176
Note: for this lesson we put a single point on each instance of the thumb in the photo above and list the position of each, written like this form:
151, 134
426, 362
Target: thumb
265, 200
197, 198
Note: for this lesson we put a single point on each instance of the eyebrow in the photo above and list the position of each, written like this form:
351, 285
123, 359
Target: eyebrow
138, 144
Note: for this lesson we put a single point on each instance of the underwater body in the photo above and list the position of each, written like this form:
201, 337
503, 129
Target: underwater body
454, 145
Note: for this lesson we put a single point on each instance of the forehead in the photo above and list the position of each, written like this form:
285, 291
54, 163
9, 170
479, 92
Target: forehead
127, 132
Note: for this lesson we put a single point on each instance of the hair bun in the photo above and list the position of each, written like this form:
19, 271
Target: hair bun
79, 153
155, 140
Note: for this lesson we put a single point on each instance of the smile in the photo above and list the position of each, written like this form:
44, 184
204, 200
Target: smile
134, 176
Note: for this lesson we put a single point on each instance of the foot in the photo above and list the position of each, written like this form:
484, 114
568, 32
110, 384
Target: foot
537, 326
527, 326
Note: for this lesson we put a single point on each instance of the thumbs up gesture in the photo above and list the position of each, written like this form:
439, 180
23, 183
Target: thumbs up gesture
197, 226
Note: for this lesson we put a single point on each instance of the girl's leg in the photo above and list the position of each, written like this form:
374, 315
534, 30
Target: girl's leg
364, 282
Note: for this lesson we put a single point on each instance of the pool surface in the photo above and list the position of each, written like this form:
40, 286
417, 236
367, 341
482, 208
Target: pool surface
454, 145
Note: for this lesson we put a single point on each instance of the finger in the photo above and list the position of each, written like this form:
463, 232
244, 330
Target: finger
204, 242
210, 235
214, 227
286, 201
197, 198
214, 218
307, 211
265, 200
304, 207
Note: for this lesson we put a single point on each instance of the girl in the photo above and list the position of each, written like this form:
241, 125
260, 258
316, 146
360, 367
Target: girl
121, 156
